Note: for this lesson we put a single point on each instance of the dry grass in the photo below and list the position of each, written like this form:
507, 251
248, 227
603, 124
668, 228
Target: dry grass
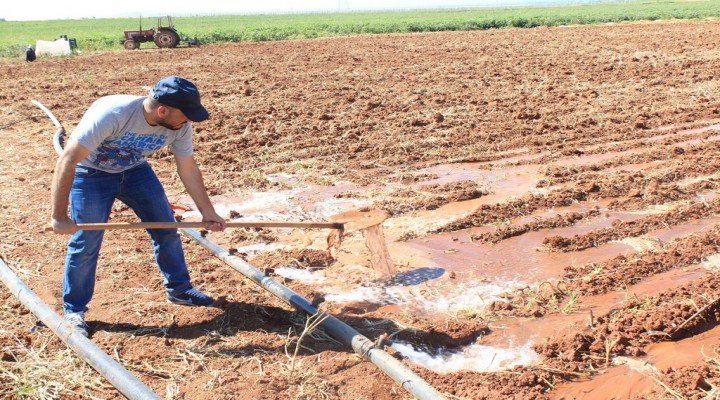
312, 323
36, 371
35, 364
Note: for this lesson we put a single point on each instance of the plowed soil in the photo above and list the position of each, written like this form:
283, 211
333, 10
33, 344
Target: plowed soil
574, 169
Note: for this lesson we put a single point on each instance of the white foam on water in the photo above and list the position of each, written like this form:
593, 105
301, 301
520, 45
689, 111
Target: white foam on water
475, 357
366, 294
191, 215
264, 206
301, 275
281, 206
712, 262
222, 209
467, 297
255, 249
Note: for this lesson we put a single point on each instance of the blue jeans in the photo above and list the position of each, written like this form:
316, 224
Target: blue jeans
91, 198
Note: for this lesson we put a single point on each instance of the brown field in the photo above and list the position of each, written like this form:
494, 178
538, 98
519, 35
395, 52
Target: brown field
552, 195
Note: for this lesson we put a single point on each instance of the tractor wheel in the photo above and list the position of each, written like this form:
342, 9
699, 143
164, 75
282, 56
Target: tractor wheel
131, 45
167, 38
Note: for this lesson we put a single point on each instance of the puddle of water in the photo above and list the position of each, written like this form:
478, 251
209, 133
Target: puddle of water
519, 258
632, 380
686, 229
699, 130
508, 181
484, 271
597, 158
329, 206
624, 381
502, 185
633, 167
522, 330
475, 357
592, 158
495, 178
655, 240
522, 258
307, 203
259, 202
685, 352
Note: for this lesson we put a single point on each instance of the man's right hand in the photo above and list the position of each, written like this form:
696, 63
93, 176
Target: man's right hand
64, 226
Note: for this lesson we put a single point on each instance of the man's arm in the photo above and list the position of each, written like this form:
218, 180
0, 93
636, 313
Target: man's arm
191, 177
62, 183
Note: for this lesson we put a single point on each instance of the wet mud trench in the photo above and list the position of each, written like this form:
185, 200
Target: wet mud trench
499, 270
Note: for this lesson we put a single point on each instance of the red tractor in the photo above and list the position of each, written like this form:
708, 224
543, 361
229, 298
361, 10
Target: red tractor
164, 36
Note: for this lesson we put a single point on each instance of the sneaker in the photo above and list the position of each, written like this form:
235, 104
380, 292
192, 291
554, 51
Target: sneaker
77, 321
191, 297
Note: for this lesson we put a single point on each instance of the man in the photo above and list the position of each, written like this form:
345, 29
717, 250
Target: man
30, 54
104, 160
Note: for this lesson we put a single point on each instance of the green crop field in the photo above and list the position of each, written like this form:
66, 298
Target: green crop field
105, 34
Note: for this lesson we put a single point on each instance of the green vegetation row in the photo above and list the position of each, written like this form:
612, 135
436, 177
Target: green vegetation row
105, 34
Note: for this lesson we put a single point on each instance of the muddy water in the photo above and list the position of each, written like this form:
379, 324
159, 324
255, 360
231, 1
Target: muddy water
520, 258
626, 383
633, 377
515, 331
448, 275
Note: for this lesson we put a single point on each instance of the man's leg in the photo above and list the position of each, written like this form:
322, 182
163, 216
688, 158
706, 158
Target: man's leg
91, 199
142, 191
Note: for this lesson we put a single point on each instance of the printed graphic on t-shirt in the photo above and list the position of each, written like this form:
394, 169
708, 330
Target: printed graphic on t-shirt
115, 158
145, 143
127, 150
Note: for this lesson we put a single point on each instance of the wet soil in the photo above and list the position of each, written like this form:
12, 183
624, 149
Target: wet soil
551, 193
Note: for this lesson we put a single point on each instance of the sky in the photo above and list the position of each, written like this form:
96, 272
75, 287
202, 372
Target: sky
34, 10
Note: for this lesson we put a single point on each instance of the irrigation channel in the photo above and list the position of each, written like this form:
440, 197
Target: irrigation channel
132, 388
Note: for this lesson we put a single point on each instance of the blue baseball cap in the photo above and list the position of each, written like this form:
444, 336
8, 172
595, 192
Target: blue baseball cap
182, 94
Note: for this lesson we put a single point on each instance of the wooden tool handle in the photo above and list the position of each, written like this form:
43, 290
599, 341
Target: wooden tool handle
178, 225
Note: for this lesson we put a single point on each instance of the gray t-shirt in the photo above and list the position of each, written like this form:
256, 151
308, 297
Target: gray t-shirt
115, 129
